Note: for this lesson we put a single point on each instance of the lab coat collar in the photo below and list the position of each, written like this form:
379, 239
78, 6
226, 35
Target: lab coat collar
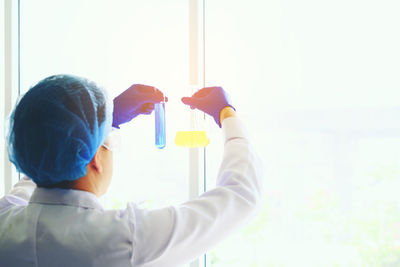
68, 197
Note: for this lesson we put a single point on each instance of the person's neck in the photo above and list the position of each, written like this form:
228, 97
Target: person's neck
88, 183
85, 183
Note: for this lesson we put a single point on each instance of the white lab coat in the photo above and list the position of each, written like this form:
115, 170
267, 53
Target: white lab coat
57, 227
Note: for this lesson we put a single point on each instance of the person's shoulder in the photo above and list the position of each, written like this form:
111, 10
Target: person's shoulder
9, 202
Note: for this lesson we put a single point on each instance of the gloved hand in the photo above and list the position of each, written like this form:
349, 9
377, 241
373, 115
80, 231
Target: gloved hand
211, 100
137, 99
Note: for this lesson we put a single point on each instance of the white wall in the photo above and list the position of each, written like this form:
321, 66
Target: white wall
2, 76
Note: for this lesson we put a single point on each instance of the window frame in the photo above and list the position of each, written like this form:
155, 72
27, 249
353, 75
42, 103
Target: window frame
11, 76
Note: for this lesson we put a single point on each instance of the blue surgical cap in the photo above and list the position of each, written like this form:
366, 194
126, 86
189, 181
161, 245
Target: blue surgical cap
57, 127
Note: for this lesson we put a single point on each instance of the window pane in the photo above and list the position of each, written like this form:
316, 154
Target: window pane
315, 82
116, 44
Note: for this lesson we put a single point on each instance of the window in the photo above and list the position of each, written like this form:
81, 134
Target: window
117, 44
316, 83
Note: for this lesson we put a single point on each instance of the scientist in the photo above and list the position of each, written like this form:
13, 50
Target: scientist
60, 137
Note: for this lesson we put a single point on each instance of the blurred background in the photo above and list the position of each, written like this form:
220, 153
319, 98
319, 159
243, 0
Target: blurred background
316, 83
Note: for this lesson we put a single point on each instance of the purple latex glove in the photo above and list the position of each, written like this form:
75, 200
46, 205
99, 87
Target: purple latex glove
137, 99
210, 100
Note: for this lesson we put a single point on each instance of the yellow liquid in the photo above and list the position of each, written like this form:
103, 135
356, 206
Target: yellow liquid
191, 139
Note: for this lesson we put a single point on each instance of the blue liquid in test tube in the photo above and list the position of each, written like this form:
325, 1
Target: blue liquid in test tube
159, 111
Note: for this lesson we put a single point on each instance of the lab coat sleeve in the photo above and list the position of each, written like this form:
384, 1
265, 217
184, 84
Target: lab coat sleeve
19, 194
175, 235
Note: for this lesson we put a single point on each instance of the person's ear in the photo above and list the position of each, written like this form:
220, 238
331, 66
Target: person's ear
95, 163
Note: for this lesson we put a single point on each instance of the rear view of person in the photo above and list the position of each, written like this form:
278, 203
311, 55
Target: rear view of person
61, 138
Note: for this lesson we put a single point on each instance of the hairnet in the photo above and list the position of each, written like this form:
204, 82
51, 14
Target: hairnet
57, 127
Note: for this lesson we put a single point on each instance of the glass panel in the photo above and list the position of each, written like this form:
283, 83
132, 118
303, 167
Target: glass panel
315, 83
116, 44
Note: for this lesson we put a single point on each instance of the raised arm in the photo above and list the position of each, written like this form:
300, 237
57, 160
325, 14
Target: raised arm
176, 235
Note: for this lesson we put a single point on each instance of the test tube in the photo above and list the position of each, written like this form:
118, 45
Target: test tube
159, 111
